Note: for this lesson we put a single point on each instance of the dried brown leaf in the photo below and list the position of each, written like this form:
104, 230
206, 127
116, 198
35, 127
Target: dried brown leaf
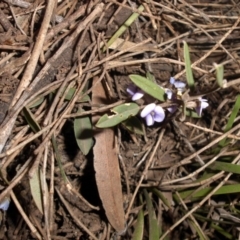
106, 166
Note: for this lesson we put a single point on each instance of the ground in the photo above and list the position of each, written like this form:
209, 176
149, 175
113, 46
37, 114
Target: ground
181, 173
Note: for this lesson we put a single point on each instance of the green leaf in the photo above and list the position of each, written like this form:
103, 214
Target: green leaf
148, 87
138, 231
35, 186
31, 120
134, 125
124, 27
219, 74
231, 120
212, 225
159, 194
36, 103
187, 60
69, 95
58, 158
154, 229
227, 167
200, 232
150, 77
83, 133
196, 195
121, 113
191, 113
85, 98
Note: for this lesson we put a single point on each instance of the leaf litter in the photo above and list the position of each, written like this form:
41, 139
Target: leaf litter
180, 176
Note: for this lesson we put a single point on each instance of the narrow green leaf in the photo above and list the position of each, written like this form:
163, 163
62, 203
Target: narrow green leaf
83, 133
69, 95
121, 113
138, 232
212, 225
222, 231
124, 27
36, 103
35, 186
154, 229
134, 125
148, 87
187, 60
200, 233
219, 74
231, 119
227, 189
58, 158
227, 167
159, 194
31, 120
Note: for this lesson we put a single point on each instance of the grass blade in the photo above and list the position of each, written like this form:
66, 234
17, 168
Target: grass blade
219, 74
124, 27
154, 233
187, 60
138, 232
231, 119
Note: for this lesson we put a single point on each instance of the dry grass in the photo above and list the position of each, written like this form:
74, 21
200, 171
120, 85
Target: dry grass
48, 49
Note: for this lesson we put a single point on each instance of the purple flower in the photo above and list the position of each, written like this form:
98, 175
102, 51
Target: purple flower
153, 113
177, 84
135, 92
171, 96
180, 86
201, 104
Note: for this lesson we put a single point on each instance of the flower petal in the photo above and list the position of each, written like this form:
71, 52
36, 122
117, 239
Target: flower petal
172, 80
169, 93
149, 120
199, 110
179, 84
159, 114
172, 109
204, 105
147, 110
139, 94
131, 89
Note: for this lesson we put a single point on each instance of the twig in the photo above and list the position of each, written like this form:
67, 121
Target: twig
144, 173
25, 217
78, 222
201, 203
28, 74
10, 120
210, 131
19, 3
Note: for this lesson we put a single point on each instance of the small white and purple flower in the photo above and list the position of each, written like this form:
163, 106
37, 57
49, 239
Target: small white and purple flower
180, 86
177, 84
135, 92
153, 113
171, 96
201, 104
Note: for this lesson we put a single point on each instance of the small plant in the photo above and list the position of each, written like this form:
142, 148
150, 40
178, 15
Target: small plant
179, 97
